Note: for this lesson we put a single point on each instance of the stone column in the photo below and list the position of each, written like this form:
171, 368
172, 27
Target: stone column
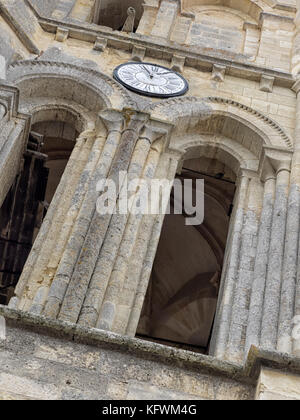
145, 250
291, 314
36, 273
261, 262
99, 224
113, 122
230, 271
86, 163
245, 273
106, 282
271, 307
291, 260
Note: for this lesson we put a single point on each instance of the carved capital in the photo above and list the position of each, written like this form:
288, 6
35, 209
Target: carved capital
277, 159
113, 120
155, 129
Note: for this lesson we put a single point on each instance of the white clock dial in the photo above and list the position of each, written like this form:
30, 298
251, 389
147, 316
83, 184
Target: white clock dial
151, 79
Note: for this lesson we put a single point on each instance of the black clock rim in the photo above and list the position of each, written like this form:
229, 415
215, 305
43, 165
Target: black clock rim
152, 95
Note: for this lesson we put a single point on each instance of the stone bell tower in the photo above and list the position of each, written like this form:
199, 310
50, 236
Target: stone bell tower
138, 304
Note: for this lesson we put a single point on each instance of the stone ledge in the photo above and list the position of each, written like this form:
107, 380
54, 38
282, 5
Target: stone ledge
248, 374
144, 349
126, 42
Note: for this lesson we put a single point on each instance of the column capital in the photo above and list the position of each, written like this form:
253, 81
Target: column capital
112, 119
155, 129
279, 159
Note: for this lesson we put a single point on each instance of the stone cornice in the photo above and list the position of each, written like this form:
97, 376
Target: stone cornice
90, 32
119, 40
247, 373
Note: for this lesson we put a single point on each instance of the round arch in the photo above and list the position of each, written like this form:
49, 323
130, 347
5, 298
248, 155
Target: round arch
87, 87
227, 117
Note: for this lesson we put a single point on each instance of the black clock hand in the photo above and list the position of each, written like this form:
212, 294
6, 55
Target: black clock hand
151, 75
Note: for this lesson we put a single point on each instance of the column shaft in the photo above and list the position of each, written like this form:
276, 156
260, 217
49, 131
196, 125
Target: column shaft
243, 286
93, 242
260, 267
82, 224
230, 270
273, 282
39, 255
101, 282
147, 243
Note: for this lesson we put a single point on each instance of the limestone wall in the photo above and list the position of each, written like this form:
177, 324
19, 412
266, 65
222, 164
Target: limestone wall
37, 366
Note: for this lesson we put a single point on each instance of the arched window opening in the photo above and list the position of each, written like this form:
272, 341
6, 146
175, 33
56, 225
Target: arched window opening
181, 300
113, 14
49, 147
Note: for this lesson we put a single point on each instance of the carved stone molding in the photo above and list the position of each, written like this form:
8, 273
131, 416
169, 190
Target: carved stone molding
104, 85
174, 107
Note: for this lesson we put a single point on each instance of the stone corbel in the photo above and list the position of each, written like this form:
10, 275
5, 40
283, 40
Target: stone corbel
62, 34
138, 53
218, 73
178, 62
100, 44
266, 83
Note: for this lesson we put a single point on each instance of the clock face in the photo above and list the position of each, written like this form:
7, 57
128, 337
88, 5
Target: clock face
151, 80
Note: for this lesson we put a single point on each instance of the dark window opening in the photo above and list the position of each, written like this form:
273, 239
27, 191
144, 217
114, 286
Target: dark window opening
181, 300
113, 14
49, 147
